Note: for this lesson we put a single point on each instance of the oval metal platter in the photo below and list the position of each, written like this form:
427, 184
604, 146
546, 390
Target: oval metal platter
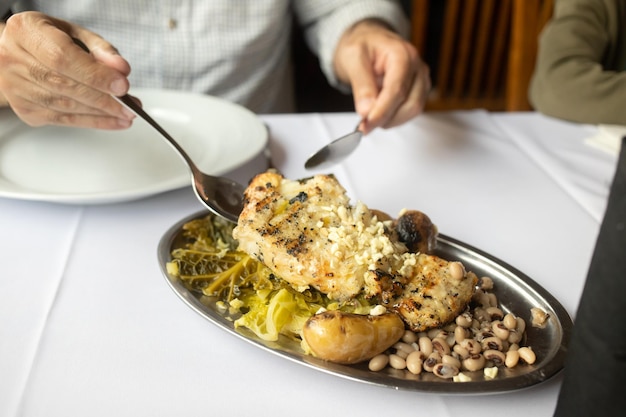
516, 292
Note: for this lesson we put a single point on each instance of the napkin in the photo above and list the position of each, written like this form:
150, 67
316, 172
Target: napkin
608, 138
593, 384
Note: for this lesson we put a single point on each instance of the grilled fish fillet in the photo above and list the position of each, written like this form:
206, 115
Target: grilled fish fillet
309, 234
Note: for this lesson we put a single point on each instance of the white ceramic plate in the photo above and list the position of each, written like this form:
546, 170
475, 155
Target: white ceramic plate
86, 166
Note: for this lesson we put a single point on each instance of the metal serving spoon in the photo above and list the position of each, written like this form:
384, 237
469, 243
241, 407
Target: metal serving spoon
222, 196
336, 151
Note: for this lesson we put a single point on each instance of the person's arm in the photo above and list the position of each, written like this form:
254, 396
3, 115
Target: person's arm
573, 78
48, 79
362, 46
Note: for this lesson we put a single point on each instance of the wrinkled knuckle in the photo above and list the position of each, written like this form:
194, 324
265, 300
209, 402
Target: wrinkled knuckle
64, 119
56, 57
62, 103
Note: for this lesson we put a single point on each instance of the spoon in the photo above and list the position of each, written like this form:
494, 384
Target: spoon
222, 196
336, 151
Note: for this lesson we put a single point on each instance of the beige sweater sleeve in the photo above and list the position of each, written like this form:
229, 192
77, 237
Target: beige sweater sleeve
580, 74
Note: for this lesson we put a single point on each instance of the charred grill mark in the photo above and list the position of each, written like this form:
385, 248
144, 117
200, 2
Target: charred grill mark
268, 231
301, 197
389, 286
295, 247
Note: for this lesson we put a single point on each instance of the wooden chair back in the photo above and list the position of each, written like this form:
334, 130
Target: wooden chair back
485, 51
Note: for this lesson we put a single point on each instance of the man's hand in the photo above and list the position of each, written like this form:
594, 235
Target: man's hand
47, 79
389, 81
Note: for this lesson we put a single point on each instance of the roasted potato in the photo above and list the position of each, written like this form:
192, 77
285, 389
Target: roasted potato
351, 338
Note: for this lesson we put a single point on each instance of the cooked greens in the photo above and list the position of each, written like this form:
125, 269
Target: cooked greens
208, 262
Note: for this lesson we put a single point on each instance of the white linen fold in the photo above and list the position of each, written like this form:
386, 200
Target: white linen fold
560, 149
608, 138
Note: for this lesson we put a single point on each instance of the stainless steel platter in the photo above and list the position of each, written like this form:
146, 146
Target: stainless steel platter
516, 293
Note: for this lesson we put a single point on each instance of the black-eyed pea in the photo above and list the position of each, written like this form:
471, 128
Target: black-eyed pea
409, 337
378, 362
430, 362
521, 325
492, 299
440, 345
510, 321
505, 345
457, 270
482, 298
486, 283
493, 343
396, 361
513, 346
486, 333
425, 345
514, 337
414, 362
473, 362
450, 339
511, 358
461, 352
464, 320
500, 330
494, 356
527, 355
481, 314
432, 333
401, 353
471, 345
495, 313
460, 333
451, 360
445, 371
403, 347
449, 328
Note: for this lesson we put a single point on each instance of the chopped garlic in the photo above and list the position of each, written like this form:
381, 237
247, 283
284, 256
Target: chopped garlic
235, 305
221, 306
461, 377
490, 373
539, 318
378, 310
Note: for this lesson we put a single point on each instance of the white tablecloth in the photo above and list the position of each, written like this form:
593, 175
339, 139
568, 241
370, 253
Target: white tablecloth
89, 327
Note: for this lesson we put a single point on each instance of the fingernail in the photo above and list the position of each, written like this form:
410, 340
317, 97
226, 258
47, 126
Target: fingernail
123, 123
364, 106
118, 87
128, 114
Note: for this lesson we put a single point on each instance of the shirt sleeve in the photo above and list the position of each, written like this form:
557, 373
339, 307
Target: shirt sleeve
576, 78
324, 22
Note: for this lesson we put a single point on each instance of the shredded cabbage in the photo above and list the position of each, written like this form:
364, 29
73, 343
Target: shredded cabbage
258, 300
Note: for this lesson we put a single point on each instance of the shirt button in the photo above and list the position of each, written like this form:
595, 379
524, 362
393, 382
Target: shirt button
171, 23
